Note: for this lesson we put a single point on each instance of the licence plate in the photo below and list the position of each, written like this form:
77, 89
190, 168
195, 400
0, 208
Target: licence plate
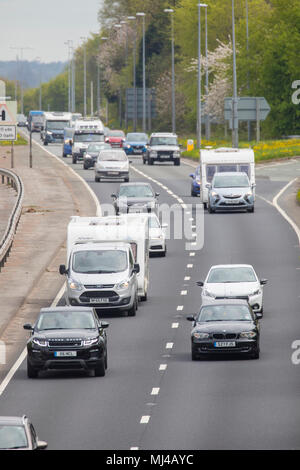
224, 344
99, 301
65, 354
137, 151
232, 202
112, 172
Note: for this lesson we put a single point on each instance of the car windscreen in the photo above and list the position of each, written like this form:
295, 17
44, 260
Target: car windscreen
88, 138
94, 148
57, 125
65, 320
163, 141
231, 181
136, 191
136, 137
224, 313
237, 274
100, 261
12, 437
116, 134
111, 156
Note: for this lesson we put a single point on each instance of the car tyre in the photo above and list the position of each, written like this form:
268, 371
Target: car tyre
32, 373
74, 160
150, 161
100, 369
97, 180
177, 162
210, 209
144, 298
132, 311
251, 210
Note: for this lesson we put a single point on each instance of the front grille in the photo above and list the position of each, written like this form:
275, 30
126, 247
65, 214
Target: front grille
224, 336
163, 153
241, 297
63, 343
232, 196
116, 144
97, 286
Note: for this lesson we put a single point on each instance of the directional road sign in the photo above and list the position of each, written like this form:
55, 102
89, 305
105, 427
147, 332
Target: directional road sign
249, 108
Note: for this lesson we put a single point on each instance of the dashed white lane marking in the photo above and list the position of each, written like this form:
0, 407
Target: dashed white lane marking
187, 278
155, 391
175, 325
145, 419
163, 366
134, 448
192, 254
169, 345
179, 307
183, 292
189, 266
194, 235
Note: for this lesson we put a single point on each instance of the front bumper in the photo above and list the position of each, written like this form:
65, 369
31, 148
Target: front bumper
106, 300
226, 204
111, 174
135, 150
86, 359
241, 347
157, 245
89, 162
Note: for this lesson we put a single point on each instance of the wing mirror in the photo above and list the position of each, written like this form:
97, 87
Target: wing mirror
62, 269
28, 326
104, 324
113, 196
41, 445
190, 318
200, 283
208, 185
156, 194
259, 315
136, 268
263, 282
192, 175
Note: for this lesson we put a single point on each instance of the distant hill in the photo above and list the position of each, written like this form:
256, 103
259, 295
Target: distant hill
30, 71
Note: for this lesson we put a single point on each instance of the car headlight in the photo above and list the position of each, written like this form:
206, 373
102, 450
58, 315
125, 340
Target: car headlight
214, 194
87, 156
74, 285
248, 195
151, 204
122, 285
206, 293
257, 292
176, 154
153, 153
49, 133
128, 146
40, 342
90, 341
199, 335
248, 334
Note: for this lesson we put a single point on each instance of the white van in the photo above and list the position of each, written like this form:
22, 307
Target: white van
86, 131
129, 228
224, 160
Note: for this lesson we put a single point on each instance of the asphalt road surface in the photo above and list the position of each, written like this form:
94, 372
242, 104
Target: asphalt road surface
153, 395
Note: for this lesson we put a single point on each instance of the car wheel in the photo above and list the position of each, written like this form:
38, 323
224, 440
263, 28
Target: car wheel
105, 360
150, 161
132, 310
74, 160
85, 167
255, 355
251, 210
193, 194
144, 297
100, 369
177, 162
194, 356
144, 160
210, 209
97, 180
64, 155
32, 373
45, 143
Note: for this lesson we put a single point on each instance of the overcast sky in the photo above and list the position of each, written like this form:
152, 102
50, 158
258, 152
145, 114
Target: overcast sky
45, 25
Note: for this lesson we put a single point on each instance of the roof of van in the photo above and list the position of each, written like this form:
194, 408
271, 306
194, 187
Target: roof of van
226, 154
56, 116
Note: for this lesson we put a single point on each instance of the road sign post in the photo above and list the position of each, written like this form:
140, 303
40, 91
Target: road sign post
248, 109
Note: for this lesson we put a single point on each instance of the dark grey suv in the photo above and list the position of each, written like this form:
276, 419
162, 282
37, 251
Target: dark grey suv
67, 338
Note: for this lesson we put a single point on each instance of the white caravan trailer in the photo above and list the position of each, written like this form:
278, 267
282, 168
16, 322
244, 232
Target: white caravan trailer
224, 160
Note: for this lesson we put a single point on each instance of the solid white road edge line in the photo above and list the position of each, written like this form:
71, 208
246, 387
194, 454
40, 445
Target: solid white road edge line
23, 354
282, 212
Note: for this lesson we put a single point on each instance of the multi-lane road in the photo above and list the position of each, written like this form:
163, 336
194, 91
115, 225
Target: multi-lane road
153, 396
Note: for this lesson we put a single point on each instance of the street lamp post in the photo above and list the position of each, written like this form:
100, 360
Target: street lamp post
103, 38
67, 43
119, 26
84, 76
207, 118
144, 71
134, 77
170, 10
123, 22
235, 130
21, 49
38, 59
200, 5
248, 81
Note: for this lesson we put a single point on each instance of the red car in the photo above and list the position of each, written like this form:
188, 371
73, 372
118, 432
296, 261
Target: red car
115, 138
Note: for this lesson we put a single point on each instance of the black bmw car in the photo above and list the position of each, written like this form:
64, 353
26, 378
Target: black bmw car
225, 327
67, 338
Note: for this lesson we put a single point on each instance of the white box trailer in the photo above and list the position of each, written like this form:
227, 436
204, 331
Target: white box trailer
130, 228
222, 160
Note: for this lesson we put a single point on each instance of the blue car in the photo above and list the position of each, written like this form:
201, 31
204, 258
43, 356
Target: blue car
195, 185
135, 143
68, 137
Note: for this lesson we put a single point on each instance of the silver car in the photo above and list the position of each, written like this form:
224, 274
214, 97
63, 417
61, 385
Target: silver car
230, 191
112, 164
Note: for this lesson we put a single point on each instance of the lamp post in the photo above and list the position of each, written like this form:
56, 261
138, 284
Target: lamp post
200, 5
247, 48
21, 49
119, 26
235, 130
207, 118
123, 22
38, 59
67, 43
170, 10
132, 18
103, 38
84, 75
141, 14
